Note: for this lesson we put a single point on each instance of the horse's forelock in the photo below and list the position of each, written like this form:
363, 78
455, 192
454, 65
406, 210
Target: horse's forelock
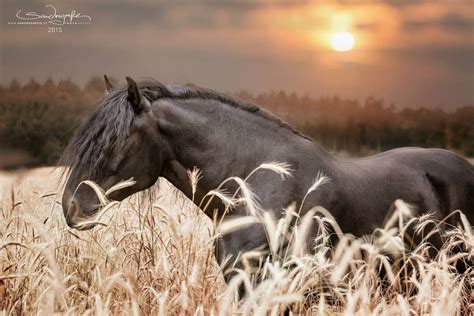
100, 133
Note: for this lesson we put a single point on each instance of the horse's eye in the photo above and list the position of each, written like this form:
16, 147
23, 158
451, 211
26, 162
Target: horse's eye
120, 158
117, 163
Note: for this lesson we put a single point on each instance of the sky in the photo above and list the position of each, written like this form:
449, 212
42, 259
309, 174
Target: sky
411, 53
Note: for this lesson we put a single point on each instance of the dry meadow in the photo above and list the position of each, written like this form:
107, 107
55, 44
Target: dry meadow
152, 255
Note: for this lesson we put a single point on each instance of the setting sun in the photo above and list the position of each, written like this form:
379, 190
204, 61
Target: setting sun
342, 41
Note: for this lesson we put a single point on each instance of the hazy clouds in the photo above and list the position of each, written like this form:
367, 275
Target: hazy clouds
411, 54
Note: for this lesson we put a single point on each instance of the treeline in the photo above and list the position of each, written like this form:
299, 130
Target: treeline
365, 127
38, 118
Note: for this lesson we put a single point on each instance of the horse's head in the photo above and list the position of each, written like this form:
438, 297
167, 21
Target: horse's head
119, 141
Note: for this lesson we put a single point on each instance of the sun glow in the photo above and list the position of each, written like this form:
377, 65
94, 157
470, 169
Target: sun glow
342, 41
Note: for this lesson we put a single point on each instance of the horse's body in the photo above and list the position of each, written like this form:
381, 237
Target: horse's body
176, 128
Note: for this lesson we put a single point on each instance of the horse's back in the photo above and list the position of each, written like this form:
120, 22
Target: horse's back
438, 162
448, 175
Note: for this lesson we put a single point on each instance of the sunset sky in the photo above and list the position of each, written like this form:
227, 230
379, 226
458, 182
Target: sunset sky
412, 53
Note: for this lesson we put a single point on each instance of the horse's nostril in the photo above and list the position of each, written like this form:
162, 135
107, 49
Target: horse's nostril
72, 209
71, 213
69, 222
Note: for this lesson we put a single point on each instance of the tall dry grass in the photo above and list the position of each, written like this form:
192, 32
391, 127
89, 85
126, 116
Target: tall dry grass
156, 257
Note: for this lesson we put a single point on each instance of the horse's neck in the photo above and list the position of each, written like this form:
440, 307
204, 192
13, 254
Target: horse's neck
219, 139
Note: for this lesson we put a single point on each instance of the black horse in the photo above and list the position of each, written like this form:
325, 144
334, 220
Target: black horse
152, 130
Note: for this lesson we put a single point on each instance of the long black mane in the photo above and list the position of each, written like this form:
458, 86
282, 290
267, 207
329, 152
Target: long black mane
108, 126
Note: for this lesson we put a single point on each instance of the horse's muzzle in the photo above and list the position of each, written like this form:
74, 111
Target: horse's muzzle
74, 217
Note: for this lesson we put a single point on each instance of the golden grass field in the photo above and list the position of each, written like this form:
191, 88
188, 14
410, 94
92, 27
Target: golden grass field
155, 257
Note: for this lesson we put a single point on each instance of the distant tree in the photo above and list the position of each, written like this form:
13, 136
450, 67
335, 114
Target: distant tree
94, 88
14, 85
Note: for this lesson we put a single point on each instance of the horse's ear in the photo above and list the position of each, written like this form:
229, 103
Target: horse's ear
108, 85
135, 98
